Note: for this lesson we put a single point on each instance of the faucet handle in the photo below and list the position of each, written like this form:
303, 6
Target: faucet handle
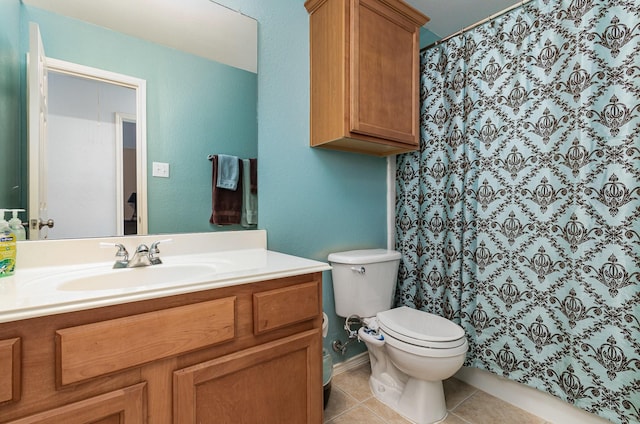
121, 253
153, 251
154, 245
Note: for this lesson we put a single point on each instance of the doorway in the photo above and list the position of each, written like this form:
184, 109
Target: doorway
126, 137
86, 176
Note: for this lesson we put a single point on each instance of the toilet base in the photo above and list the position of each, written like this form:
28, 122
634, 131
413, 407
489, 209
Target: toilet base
389, 394
420, 401
423, 401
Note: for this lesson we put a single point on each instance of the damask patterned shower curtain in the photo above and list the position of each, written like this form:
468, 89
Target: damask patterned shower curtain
519, 218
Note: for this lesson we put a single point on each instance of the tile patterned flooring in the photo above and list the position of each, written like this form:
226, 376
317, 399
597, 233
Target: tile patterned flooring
351, 402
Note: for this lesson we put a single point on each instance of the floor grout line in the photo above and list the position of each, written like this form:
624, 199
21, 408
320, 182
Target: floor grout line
472, 394
373, 412
357, 403
460, 418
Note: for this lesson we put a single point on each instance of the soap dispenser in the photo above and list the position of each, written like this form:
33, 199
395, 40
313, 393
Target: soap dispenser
7, 247
16, 225
4, 225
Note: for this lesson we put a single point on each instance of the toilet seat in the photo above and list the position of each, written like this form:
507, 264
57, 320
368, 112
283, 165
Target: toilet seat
421, 329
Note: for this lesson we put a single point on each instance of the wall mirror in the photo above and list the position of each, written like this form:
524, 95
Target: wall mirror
201, 98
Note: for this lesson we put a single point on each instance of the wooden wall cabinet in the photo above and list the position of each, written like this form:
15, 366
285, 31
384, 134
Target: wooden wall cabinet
365, 75
240, 354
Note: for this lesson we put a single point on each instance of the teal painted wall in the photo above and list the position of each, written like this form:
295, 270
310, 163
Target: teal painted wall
427, 37
10, 148
312, 202
195, 107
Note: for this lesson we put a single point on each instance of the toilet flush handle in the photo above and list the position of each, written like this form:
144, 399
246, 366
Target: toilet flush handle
360, 270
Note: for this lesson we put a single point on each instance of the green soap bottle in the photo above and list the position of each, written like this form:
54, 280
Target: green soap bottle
7, 248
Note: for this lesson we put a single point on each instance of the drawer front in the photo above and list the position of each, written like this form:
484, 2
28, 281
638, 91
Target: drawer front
10, 370
278, 308
101, 348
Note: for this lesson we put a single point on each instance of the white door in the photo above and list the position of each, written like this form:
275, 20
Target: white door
37, 113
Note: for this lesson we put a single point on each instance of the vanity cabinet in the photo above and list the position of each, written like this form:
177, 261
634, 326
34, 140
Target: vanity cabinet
239, 354
365, 75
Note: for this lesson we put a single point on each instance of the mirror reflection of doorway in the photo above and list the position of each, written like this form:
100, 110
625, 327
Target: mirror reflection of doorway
129, 173
86, 156
80, 114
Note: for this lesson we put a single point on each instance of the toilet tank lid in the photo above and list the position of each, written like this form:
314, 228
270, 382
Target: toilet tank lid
365, 256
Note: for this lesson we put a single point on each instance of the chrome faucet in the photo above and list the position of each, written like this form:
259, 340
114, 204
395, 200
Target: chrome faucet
143, 256
140, 257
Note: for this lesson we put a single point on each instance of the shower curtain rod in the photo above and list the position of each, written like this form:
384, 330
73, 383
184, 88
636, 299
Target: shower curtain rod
470, 27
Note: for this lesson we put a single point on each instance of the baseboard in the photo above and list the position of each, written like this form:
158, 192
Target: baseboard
531, 400
351, 363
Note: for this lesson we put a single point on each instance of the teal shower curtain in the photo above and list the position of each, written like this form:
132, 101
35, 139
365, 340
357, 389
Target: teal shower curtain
519, 218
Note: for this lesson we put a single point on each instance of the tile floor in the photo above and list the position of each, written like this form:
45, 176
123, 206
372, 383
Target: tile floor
351, 402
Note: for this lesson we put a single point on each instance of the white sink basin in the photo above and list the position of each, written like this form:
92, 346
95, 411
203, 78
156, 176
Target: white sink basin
137, 277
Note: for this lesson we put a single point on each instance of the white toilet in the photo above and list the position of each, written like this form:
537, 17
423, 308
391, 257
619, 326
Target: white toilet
411, 351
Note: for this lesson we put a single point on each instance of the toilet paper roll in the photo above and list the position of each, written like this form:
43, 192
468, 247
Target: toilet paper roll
325, 324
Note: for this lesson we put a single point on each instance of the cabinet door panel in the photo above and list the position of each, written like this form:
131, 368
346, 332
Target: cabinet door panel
384, 68
10, 370
274, 383
125, 406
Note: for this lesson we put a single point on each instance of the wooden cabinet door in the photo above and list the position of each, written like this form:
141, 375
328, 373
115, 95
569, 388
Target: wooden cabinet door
273, 383
384, 73
125, 406
10, 370
365, 75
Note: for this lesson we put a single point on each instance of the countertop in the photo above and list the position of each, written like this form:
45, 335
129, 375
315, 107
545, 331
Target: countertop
35, 291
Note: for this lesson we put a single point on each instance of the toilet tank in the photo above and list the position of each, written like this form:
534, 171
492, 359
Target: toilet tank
364, 281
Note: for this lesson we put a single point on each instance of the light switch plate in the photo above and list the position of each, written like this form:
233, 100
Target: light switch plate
160, 169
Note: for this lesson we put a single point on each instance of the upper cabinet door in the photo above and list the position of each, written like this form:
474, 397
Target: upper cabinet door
365, 75
384, 73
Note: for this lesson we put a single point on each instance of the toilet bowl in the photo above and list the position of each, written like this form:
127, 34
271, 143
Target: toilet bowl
414, 351
410, 351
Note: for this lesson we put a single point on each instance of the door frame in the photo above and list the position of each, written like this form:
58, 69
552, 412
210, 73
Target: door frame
140, 87
121, 118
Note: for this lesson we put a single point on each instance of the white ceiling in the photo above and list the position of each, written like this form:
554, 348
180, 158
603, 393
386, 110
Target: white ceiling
449, 16
200, 27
